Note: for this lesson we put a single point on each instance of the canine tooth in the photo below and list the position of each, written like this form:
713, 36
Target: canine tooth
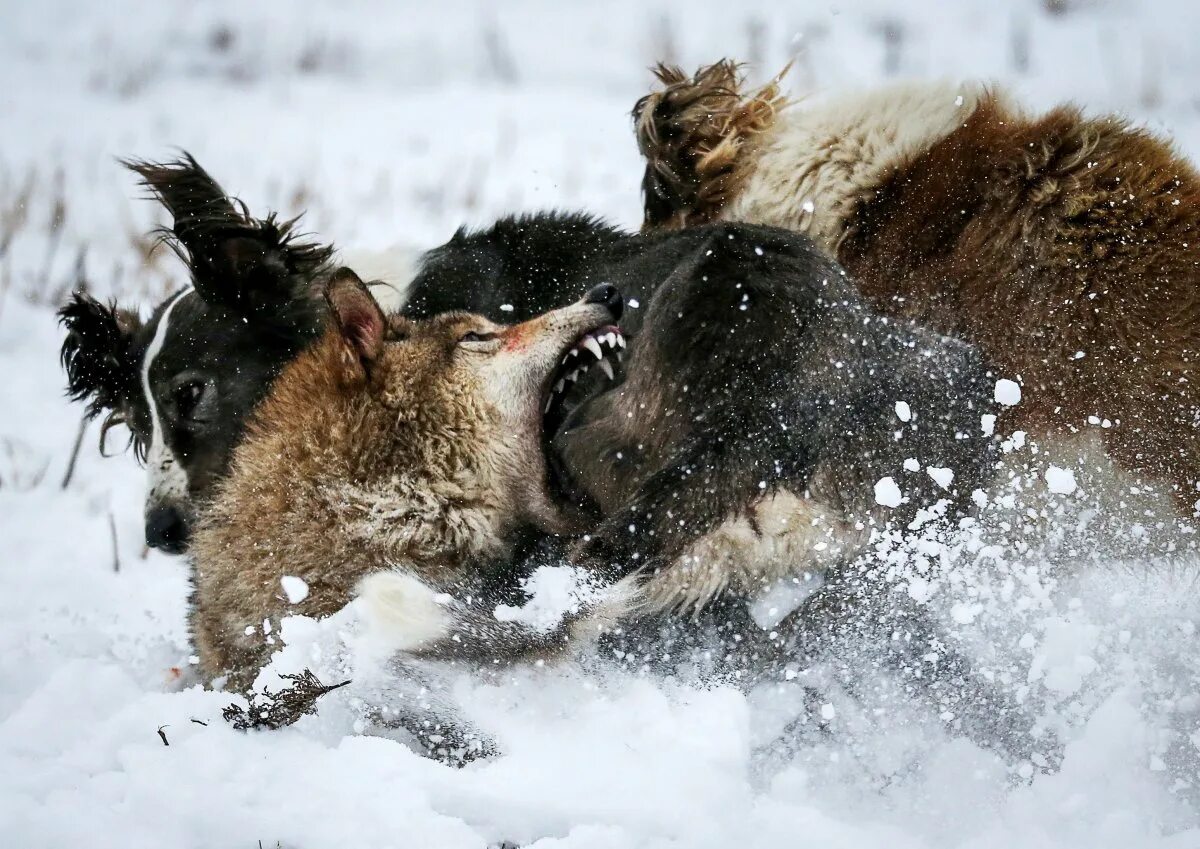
620, 356
549, 401
606, 367
620, 340
592, 345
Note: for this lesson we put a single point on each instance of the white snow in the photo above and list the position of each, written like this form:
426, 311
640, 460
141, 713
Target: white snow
903, 411
987, 423
943, 477
294, 588
396, 124
1061, 481
554, 592
1008, 392
887, 492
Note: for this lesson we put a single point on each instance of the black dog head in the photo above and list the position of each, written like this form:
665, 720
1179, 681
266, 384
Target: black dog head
185, 381
519, 267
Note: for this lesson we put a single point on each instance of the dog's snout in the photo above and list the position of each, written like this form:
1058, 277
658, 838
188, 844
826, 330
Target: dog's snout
167, 530
610, 296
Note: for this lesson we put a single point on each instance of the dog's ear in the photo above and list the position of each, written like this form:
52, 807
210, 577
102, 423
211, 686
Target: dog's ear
255, 267
98, 353
357, 315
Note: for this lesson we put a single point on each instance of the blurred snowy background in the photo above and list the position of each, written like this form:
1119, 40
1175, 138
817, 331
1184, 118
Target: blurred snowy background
394, 123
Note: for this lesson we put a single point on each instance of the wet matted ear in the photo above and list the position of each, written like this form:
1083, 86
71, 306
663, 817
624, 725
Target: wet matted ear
356, 314
255, 267
98, 353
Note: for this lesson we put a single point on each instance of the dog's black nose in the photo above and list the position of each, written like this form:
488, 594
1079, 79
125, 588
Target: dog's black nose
610, 296
167, 530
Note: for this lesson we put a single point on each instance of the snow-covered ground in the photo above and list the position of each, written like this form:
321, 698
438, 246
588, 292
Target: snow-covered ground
395, 123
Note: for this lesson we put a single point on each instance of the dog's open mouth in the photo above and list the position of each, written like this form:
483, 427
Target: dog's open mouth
589, 367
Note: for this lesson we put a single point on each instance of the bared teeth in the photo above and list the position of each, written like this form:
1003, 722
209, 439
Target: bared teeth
558, 387
620, 357
592, 345
549, 402
574, 376
606, 367
620, 340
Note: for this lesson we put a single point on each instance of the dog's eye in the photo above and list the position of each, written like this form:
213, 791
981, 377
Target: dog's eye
473, 336
187, 398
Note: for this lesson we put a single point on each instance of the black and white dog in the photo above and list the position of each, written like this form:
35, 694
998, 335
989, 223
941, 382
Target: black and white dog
184, 381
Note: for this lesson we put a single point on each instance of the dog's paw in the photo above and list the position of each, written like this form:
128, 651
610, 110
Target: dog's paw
403, 613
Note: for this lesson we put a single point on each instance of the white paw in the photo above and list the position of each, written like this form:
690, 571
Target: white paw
401, 612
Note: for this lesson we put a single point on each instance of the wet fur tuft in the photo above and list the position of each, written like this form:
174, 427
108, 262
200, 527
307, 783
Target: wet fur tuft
260, 268
97, 353
692, 134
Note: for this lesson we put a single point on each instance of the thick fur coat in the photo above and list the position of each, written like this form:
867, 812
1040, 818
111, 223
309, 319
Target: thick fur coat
389, 444
1064, 246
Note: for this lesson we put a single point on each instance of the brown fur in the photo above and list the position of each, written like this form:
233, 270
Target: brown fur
372, 453
1034, 238
694, 134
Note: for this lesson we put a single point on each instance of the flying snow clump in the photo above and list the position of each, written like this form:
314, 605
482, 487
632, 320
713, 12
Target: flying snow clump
294, 588
1061, 481
1008, 392
887, 493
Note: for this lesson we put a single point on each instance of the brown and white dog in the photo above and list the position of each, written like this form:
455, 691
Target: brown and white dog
1066, 247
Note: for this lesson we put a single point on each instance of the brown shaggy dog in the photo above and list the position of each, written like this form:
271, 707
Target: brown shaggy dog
389, 444
1067, 248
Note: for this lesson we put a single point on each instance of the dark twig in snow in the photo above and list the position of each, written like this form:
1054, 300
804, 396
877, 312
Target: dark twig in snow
112, 531
70, 473
162, 735
281, 708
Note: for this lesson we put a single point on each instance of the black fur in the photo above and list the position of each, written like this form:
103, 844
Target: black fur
532, 263
774, 374
97, 355
258, 268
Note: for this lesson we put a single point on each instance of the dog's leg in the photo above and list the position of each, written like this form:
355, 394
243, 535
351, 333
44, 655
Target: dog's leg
406, 616
853, 620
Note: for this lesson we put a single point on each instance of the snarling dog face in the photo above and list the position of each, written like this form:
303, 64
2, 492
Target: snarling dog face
501, 393
185, 381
